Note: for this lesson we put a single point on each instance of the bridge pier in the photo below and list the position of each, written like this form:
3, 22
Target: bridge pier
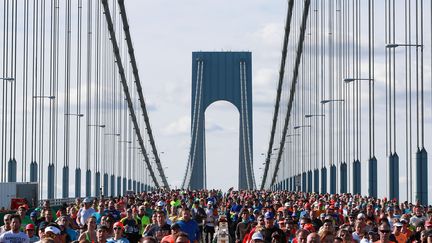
118, 186
304, 180
65, 179
97, 184
105, 184
421, 175
324, 180
373, 176
356, 177
77, 182
333, 177
12, 170
88, 183
343, 178
112, 185
51, 175
316, 180
394, 176
33, 171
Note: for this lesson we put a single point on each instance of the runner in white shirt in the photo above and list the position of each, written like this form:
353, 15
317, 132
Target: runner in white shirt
85, 212
14, 235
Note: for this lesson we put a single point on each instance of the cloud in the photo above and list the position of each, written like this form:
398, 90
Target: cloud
179, 127
213, 127
270, 33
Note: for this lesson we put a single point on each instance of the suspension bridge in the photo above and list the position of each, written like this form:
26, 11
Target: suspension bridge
351, 109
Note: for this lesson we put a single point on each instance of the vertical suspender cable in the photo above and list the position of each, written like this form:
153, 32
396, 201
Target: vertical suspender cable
421, 77
139, 90
13, 89
394, 73
407, 102
34, 80
78, 97
4, 88
125, 87
387, 83
279, 90
89, 96
359, 71
66, 138
25, 90
97, 97
293, 84
41, 62
370, 75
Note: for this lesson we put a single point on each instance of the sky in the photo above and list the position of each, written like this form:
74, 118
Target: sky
165, 39
164, 35
167, 34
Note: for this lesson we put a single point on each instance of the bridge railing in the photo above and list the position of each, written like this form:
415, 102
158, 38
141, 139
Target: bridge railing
58, 201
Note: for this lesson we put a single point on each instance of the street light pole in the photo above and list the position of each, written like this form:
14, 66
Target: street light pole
70, 114
356, 170
349, 80
327, 101
51, 97
332, 167
100, 126
124, 141
421, 154
394, 45
297, 127
112, 134
312, 115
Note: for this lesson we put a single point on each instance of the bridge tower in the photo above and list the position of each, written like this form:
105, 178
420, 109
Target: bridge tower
220, 76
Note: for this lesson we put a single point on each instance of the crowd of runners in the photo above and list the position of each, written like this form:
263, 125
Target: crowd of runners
214, 216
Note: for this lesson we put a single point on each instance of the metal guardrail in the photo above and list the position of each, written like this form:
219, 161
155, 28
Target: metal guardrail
58, 201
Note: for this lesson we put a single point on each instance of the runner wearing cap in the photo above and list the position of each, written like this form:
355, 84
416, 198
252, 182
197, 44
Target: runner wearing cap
30, 231
257, 237
270, 228
85, 212
397, 232
53, 232
243, 227
118, 234
14, 235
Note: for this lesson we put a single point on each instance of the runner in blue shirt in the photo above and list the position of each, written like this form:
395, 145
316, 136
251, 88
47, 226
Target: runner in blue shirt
189, 226
118, 234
